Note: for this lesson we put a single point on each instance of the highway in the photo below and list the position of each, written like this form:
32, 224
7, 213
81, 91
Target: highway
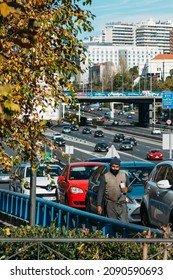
84, 144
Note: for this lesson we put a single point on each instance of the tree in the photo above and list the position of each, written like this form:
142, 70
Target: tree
38, 41
107, 76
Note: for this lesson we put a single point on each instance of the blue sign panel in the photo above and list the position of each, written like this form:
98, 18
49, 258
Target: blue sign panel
167, 100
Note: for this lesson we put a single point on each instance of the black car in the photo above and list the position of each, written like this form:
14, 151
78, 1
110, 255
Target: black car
74, 127
101, 147
98, 133
60, 141
132, 140
126, 145
86, 130
118, 137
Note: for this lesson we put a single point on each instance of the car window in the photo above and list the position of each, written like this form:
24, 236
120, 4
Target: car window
44, 171
81, 172
100, 171
160, 175
20, 172
2, 171
136, 174
169, 175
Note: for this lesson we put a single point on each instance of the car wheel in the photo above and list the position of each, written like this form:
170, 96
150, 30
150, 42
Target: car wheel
144, 216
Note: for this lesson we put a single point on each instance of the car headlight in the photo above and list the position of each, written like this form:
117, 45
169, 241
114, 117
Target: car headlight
76, 190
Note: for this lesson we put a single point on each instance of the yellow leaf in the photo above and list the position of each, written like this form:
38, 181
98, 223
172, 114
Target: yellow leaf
5, 10
7, 231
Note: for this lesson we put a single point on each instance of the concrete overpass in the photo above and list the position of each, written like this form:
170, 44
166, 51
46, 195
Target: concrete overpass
145, 104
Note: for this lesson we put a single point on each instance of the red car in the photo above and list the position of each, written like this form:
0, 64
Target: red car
155, 154
73, 183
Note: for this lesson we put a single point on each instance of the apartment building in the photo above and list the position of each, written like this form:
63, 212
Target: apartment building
119, 34
146, 33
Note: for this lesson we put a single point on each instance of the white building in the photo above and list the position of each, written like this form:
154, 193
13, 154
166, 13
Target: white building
119, 33
131, 55
151, 33
161, 65
146, 33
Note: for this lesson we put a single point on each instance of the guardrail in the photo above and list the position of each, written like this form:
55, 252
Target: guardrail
15, 207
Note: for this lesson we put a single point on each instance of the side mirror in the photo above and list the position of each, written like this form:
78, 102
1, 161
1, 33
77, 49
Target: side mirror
61, 178
164, 184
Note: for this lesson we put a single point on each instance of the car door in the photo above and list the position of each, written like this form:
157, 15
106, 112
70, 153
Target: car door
93, 188
156, 195
164, 198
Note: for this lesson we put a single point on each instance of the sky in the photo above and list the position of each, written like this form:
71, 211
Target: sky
128, 11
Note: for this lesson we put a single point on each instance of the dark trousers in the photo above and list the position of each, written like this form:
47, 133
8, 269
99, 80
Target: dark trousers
117, 211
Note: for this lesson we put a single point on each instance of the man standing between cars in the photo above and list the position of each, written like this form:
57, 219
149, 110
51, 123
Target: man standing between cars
113, 185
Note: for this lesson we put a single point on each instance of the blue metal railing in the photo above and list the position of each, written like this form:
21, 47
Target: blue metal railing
16, 205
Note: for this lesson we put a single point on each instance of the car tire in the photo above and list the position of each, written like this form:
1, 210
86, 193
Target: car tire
144, 216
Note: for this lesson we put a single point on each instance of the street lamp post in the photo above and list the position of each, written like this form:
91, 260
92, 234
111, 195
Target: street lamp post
132, 83
91, 79
122, 82
150, 77
154, 111
112, 84
139, 84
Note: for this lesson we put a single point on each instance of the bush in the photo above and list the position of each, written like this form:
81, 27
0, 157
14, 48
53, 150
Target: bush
68, 250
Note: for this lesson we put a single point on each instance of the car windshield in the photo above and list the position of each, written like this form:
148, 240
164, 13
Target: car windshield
44, 171
81, 172
102, 145
155, 151
137, 175
2, 172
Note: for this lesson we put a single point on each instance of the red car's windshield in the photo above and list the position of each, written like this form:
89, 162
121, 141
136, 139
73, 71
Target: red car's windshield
81, 172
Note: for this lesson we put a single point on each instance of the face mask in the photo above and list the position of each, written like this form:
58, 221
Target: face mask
114, 172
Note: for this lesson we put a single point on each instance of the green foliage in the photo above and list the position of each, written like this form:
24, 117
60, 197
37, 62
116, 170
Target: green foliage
71, 250
38, 42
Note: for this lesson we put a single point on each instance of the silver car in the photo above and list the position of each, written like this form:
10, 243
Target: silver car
4, 176
157, 203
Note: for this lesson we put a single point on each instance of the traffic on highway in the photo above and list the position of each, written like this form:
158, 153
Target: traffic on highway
76, 151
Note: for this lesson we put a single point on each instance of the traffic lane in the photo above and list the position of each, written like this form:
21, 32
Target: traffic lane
83, 152
139, 151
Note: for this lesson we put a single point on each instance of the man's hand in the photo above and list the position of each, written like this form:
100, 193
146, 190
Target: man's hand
124, 190
99, 210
